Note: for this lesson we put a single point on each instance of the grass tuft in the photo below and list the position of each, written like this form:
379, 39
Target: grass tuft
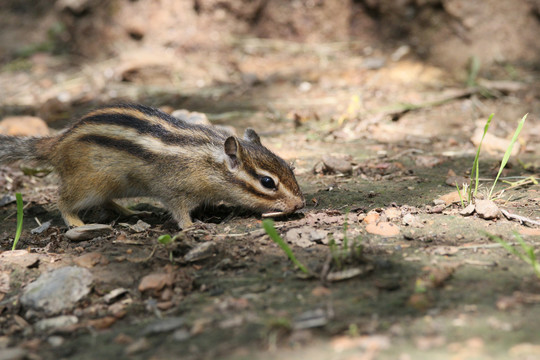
475, 172
268, 225
526, 253
20, 215
508, 152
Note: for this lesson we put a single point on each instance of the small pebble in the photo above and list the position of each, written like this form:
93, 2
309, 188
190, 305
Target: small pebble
467, 211
57, 322
201, 251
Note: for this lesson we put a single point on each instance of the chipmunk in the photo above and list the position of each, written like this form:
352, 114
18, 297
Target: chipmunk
134, 150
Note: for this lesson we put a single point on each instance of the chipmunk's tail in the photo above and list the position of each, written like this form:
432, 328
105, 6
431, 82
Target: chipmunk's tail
13, 148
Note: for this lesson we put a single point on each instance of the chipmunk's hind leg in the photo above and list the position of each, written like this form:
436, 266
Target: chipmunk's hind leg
69, 214
71, 202
119, 209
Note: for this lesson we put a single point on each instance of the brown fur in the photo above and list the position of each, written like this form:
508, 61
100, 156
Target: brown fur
132, 150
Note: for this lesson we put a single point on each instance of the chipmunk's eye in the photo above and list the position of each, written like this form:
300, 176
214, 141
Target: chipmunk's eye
267, 182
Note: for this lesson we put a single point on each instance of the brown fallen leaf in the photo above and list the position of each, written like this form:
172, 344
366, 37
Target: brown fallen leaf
102, 323
453, 197
321, 291
383, 229
90, 260
156, 281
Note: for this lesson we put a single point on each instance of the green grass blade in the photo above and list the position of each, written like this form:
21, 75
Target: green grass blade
268, 225
474, 69
459, 194
508, 152
475, 172
20, 213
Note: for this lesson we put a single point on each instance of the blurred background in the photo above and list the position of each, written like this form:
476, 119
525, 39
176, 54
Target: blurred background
281, 55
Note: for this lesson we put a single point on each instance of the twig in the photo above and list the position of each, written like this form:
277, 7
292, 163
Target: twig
521, 219
488, 87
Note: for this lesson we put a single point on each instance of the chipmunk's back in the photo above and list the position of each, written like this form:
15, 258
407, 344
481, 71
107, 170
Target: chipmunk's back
133, 150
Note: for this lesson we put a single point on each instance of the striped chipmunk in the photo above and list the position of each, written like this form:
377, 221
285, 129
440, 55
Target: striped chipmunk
133, 150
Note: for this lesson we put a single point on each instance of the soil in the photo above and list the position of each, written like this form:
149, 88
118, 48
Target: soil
395, 93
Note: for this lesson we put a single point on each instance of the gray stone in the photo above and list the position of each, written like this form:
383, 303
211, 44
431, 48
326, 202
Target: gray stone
164, 325
487, 209
57, 290
334, 164
88, 232
57, 322
467, 211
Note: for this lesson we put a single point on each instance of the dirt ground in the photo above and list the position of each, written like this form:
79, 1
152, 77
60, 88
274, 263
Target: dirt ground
393, 94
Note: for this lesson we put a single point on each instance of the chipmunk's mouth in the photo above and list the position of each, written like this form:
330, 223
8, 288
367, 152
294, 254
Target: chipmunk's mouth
274, 214
279, 212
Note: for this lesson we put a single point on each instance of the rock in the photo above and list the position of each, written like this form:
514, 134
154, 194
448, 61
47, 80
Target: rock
299, 237
115, 295
43, 227
88, 232
156, 281
4, 282
334, 164
56, 341
201, 251
23, 126
57, 322
181, 335
371, 217
383, 228
487, 209
89, 260
467, 211
140, 226
392, 213
163, 325
57, 290
310, 319
7, 199
137, 346
13, 354
373, 63
437, 209
191, 117
412, 221
20, 257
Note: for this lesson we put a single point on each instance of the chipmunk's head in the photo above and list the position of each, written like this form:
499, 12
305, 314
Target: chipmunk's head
260, 179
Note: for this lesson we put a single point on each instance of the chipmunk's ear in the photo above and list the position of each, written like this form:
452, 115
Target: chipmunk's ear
251, 136
231, 150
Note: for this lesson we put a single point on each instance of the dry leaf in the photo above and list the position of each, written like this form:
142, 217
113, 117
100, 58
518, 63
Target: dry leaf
383, 229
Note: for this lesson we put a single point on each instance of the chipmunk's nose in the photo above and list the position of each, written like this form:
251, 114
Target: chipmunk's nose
301, 203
